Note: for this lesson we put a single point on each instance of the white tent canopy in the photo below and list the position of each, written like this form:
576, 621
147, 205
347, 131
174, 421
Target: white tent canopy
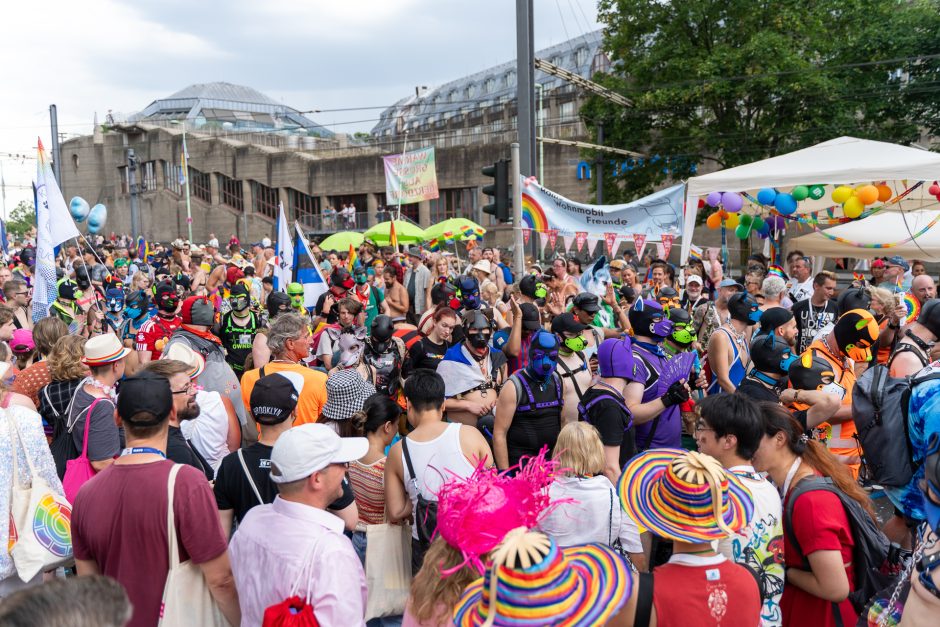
843, 160
885, 227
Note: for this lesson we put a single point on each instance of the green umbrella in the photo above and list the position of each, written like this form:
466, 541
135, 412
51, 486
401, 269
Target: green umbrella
453, 225
405, 232
342, 241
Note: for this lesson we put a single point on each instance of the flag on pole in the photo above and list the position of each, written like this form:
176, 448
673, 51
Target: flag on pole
353, 257
3, 237
284, 264
184, 167
392, 236
306, 270
143, 249
54, 225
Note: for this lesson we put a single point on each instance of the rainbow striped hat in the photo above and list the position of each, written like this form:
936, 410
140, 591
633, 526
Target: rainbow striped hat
684, 495
104, 349
531, 582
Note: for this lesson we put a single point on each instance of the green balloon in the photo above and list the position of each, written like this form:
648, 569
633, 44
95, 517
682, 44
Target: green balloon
817, 191
742, 231
745, 220
800, 192
758, 223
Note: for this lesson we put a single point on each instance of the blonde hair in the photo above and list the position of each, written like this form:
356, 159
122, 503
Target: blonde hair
65, 360
884, 296
430, 591
578, 449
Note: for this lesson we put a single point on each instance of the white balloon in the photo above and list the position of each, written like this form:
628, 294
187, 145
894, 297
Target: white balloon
79, 209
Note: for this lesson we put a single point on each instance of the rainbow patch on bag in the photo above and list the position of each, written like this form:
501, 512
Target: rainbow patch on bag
14, 536
52, 526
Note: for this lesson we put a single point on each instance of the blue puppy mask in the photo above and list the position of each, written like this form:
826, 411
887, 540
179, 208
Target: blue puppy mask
543, 355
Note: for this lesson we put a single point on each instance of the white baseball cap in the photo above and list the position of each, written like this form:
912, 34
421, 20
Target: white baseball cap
693, 278
301, 451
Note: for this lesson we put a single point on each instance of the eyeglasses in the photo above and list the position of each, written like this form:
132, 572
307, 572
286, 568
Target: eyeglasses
701, 426
189, 389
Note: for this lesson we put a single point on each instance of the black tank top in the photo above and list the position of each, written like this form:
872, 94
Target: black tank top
537, 419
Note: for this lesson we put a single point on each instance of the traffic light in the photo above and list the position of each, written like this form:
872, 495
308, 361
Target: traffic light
500, 190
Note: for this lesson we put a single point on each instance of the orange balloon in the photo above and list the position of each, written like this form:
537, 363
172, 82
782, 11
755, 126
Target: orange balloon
868, 194
723, 214
884, 193
713, 221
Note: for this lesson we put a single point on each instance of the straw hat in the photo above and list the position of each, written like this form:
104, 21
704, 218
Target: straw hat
531, 582
104, 349
180, 352
684, 495
483, 265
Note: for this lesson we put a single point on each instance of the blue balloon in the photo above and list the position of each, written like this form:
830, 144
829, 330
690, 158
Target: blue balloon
96, 218
79, 209
785, 204
764, 229
766, 196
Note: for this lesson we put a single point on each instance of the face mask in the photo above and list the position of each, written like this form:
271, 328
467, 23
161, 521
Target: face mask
542, 363
297, 301
170, 303
833, 388
133, 312
360, 278
471, 301
479, 340
575, 344
858, 354
754, 316
683, 334
240, 303
788, 359
540, 290
115, 305
661, 327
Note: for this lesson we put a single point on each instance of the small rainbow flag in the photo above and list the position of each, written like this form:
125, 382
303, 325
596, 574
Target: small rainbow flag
858, 276
695, 252
776, 270
480, 231
143, 248
434, 245
468, 232
448, 237
353, 257
392, 236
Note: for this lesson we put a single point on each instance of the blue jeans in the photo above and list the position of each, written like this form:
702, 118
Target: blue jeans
359, 544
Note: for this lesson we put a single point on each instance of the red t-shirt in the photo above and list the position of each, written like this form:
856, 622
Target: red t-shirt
820, 524
119, 522
154, 334
696, 591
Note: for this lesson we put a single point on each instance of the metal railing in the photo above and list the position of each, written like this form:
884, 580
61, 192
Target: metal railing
319, 223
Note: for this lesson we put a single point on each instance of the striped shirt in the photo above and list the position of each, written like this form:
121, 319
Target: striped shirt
368, 485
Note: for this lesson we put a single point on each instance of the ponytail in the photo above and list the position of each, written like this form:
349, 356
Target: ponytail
777, 418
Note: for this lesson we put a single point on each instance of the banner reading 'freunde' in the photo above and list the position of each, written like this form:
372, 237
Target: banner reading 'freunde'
652, 216
410, 177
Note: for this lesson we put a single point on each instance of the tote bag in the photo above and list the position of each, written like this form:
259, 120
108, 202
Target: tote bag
41, 517
186, 597
388, 569
79, 470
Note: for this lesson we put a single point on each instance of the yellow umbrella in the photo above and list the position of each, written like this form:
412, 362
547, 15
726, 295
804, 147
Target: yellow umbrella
342, 241
404, 231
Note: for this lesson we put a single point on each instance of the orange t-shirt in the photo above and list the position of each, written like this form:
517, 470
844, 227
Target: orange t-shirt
312, 398
843, 442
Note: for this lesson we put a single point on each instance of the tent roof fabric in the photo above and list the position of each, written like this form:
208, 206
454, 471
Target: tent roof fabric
837, 161
886, 227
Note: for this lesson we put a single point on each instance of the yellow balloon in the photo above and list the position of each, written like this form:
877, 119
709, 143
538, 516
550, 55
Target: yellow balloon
842, 193
731, 221
853, 207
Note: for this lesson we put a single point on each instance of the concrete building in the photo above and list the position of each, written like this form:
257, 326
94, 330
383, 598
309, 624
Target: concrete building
247, 153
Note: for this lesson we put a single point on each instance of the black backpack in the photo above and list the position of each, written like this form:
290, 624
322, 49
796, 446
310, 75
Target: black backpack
879, 409
870, 553
426, 509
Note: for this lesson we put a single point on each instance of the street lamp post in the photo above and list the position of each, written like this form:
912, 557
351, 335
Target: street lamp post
185, 166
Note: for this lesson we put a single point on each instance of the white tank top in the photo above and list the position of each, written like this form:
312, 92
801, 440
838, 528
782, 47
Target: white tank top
434, 461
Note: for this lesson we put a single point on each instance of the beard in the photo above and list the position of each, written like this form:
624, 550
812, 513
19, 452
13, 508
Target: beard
191, 412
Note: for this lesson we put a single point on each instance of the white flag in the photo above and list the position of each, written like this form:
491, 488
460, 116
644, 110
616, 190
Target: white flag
54, 225
284, 268
307, 271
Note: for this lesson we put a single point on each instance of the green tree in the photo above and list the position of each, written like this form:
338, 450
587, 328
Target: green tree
720, 83
22, 219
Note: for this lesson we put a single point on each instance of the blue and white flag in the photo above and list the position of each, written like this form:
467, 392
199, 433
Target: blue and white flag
3, 237
54, 225
284, 261
306, 270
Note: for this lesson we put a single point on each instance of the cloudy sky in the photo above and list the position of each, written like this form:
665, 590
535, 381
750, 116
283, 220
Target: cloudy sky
92, 56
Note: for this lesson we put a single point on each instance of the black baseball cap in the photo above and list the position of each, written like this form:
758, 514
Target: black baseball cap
586, 302
274, 397
527, 285
773, 318
145, 392
531, 320
567, 323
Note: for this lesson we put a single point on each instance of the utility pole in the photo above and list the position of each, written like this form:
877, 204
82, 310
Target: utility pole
599, 169
189, 211
132, 186
56, 154
525, 84
518, 257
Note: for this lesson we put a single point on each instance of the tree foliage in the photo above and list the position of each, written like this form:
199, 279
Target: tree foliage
22, 219
720, 83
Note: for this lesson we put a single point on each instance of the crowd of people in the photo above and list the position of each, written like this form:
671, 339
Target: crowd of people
439, 441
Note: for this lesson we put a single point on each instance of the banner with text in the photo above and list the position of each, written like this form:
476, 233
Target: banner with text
653, 216
410, 177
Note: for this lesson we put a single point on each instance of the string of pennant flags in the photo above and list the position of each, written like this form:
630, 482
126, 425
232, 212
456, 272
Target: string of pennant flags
550, 237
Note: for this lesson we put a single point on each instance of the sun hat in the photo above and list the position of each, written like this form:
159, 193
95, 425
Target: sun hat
675, 494
532, 582
301, 451
346, 391
104, 349
483, 265
180, 352
22, 341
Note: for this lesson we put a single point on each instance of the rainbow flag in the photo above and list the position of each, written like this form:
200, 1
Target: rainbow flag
448, 237
695, 252
468, 232
392, 236
434, 245
353, 257
143, 249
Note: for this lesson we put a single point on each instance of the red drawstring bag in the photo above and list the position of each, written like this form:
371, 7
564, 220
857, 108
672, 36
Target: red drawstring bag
291, 612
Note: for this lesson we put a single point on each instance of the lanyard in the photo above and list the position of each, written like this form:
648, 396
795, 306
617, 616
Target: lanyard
793, 468
137, 450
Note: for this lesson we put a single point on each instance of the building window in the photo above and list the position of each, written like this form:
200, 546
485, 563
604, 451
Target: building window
231, 193
567, 111
171, 178
453, 203
304, 208
510, 79
471, 91
200, 186
580, 56
264, 200
454, 96
122, 174
148, 176
490, 85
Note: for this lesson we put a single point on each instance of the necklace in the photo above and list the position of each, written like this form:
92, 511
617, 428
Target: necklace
109, 390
